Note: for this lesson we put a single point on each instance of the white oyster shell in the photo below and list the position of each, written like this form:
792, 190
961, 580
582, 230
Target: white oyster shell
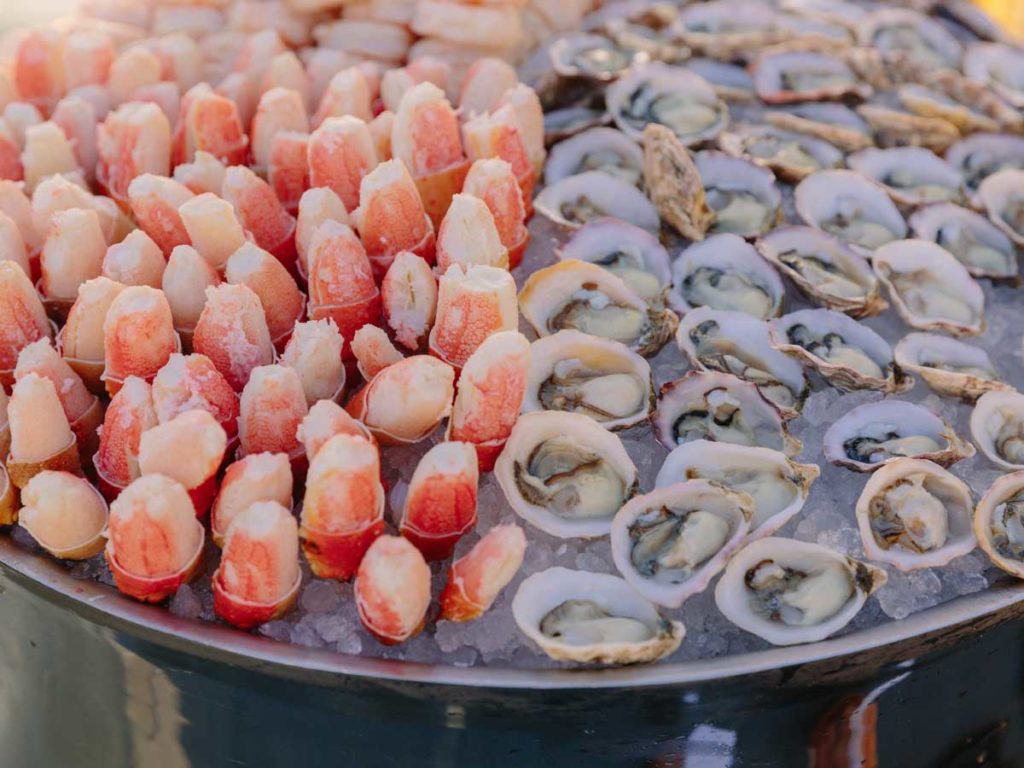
997, 528
997, 426
950, 367
575, 200
849, 206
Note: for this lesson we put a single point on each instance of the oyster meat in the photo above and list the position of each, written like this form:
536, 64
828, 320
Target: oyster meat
596, 149
793, 156
997, 425
1002, 195
903, 32
911, 175
851, 207
950, 367
976, 242
593, 57
576, 200
784, 77
835, 123
979, 156
743, 195
999, 523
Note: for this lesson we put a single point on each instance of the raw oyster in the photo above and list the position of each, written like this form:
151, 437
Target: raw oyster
593, 57
833, 11
597, 149
975, 241
824, 269
580, 373
792, 156
914, 514
725, 272
847, 354
730, 82
906, 33
743, 196
592, 618
911, 175
719, 407
728, 29
999, 523
565, 474
874, 434
670, 543
931, 102
575, 200
997, 426
930, 289
784, 77
647, 27
894, 128
732, 342
950, 367
585, 297
633, 254
790, 592
851, 207
835, 123
979, 156
970, 19
778, 485
670, 96
674, 184
1000, 67
562, 123
1002, 195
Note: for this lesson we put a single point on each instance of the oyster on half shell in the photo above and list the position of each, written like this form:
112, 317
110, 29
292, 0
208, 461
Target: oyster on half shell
783, 77
999, 523
849, 206
997, 426
950, 367
911, 175
793, 156
576, 200
835, 123
976, 242
743, 196
1002, 195
983, 154
596, 149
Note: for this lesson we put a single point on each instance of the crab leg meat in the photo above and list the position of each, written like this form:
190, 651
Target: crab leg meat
373, 351
279, 110
440, 507
287, 168
22, 318
192, 382
138, 335
232, 331
155, 201
393, 590
134, 139
325, 420
409, 296
257, 477
493, 182
73, 253
129, 414
185, 280
136, 260
341, 153
283, 302
468, 235
472, 304
81, 338
209, 122
212, 227
341, 285
260, 212
475, 579
64, 514
41, 437
497, 134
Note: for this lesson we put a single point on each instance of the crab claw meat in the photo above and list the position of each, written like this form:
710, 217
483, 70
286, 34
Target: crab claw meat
343, 509
288, 169
190, 382
86, 58
492, 181
348, 93
273, 406
48, 152
136, 260
209, 122
475, 579
38, 71
380, 131
138, 335
257, 477
472, 304
77, 119
314, 352
373, 350
64, 514
325, 420
261, 213
155, 201
185, 280
58, 193
12, 246
204, 174
317, 205
486, 80
72, 254
16, 204
22, 318
41, 437
497, 134
133, 140
468, 235
279, 110
530, 119
440, 507
393, 590
11, 168
129, 414
212, 227
232, 331
132, 69
283, 302
341, 284
409, 297
341, 153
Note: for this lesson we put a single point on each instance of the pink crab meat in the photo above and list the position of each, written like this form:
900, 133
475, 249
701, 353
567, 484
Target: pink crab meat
213, 228
530, 119
204, 174
165, 94
232, 331
190, 449
132, 69
134, 139
209, 122
42, 359
279, 110
288, 169
472, 304
395, 82
11, 168
316, 206
72, 254
348, 93
180, 59
273, 406
22, 317
129, 414
136, 260
47, 152
261, 213
57, 193
409, 296
341, 153
393, 590
255, 478
485, 81
497, 134
87, 56
184, 283
191, 382
285, 70
493, 182
82, 336
380, 131
468, 235
440, 507
341, 284
325, 420
38, 67
283, 302
39, 428
155, 201
138, 334
476, 579
64, 514
314, 351
373, 351
16, 204
12, 246
78, 121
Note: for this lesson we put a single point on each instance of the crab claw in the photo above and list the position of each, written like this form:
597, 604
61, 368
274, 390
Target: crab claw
497, 134
395, 82
135, 67
212, 227
154, 541
41, 437
155, 201
261, 213
72, 254
16, 204
317, 205
22, 318
391, 217
133, 140
393, 590
409, 298
343, 509
288, 169
341, 153
185, 280
209, 122
490, 395
138, 336
406, 401
283, 302
258, 578
204, 174
257, 477
129, 414
279, 110
136, 260
475, 579
441, 505
530, 119
373, 350
64, 514
273, 406
492, 181
325, 420
468, 235
314, 352
5, 436
191, 382
348, 93
472, 304
232, 331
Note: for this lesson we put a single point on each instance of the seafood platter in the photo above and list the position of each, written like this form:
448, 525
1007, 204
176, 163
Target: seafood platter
689, 335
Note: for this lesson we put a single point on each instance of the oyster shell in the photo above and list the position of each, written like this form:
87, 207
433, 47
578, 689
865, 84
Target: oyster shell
560, 124
976, 242
646, 27
743, 195
911, 175
849, 206
930, 289
633, 254
847, 354
730, 82
580, 373
728, 29
596, 149
789, 592
784, 77
998, 66
824, 269
970, 19
592, 618
670, 543
997, 426
565, 474
894, 128
979, 156
914, 514
835, 123
1002, 195
674, 184
998, 523
725, 272
778, 485
593, 57
930, 102
719, 407
671, 96
950, 367
582, 296
732, 342
874, 434
832, 11
792, 156
912, 35
575, 200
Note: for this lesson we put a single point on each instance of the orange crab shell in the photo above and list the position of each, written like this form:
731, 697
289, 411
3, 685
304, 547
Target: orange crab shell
86, 427
437, 189
8, 500
516, 252
153, 590
65, 460
337, 555
246, 615
110, 489
203, 495
56, 309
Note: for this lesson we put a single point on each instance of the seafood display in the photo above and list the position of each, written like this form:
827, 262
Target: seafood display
695, 334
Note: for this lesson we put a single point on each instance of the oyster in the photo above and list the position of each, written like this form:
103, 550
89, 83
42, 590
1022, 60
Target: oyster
649, 28
914, 514
790, 592
975, 241
674, 184
778, 485
562, 123
783, 77
719, 407
732, 342
730, 82
840, 12
792, 156
851, 207
725, 272
997, 426
671, 96
633, 254
580, 373
1000, 67
970, 19
835, 123
728, 29
582, 296
875, 434
847, 354
565, 474
825, 270
670, 543
592, 57
948, 366
575, 200
931, 102
911, 175
597, 149
930, 289
1002, 195
979, 156
592, 618
743, 196
999, 523
894, 128
906, 33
